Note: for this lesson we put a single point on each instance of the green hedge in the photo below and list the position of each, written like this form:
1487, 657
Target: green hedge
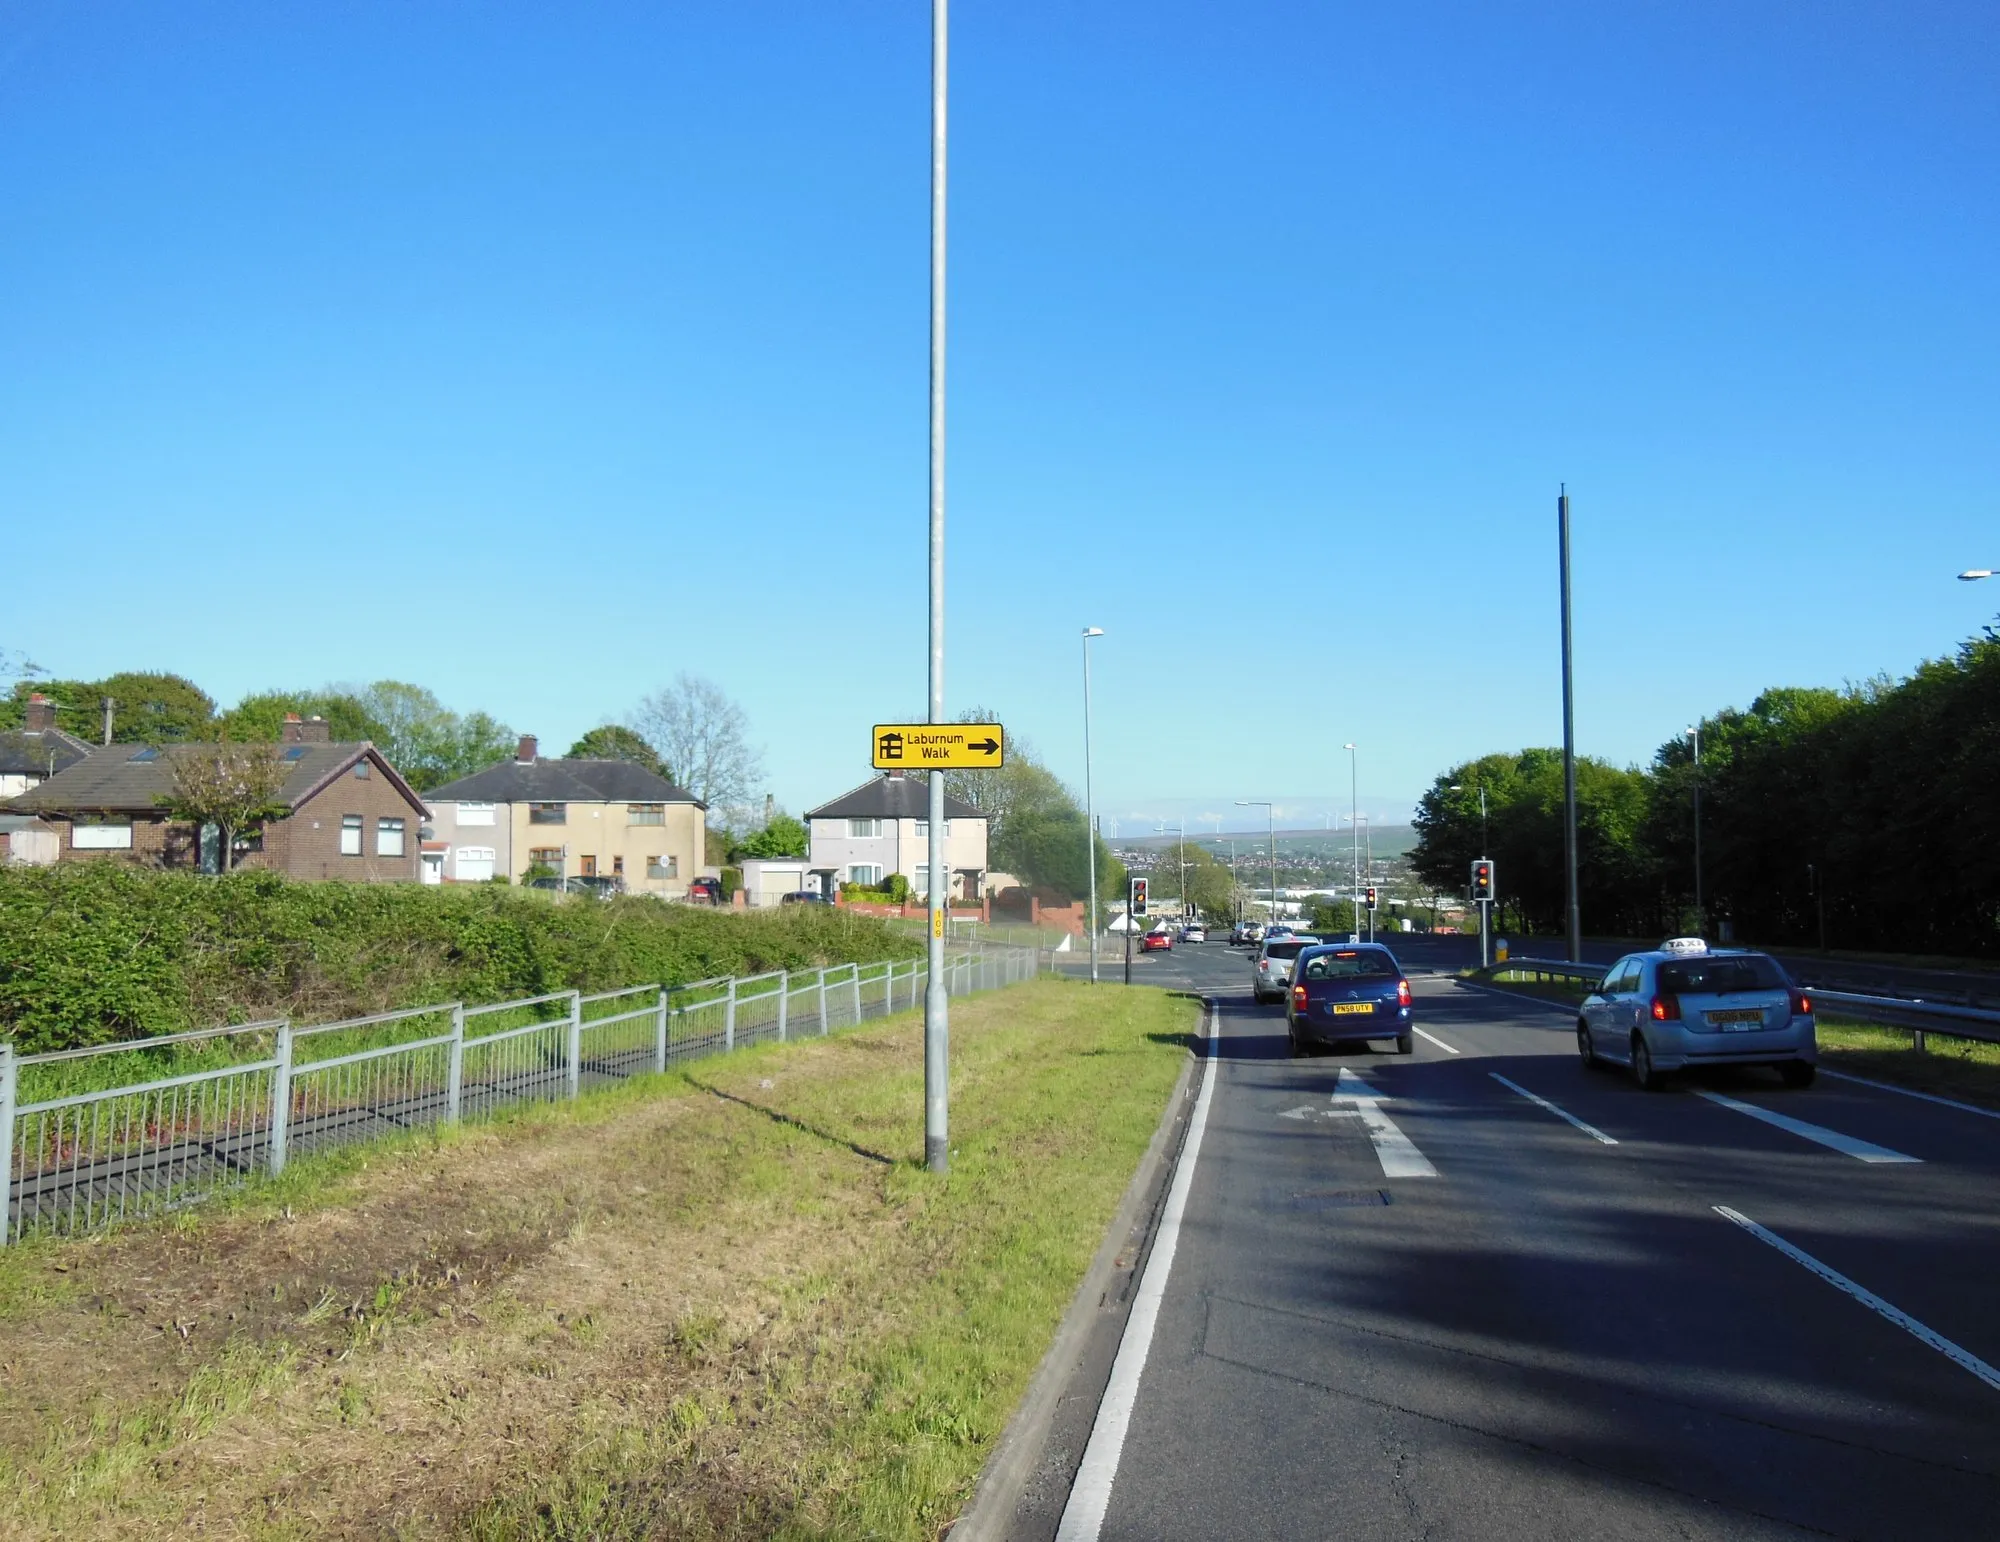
94, 952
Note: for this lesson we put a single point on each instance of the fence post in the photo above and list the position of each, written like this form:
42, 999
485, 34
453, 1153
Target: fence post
888, 988
575, 1044
281, 1099
822, 1001
9, 1080
729, 1018
857, 994
660, 1034
784, 1000
454, 1086
1918, 1041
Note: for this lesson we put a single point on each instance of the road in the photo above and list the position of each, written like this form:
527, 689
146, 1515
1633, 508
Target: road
1402, 1300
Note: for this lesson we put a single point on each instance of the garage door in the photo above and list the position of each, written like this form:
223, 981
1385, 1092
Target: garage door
472, 864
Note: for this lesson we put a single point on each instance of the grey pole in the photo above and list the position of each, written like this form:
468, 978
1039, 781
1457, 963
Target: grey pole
1354, 818
1090, 808
1569, 740
937, 1020
1700, 914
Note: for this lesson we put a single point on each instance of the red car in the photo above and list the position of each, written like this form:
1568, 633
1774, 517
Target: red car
1157, 942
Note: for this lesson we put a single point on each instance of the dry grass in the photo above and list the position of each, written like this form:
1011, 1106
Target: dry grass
722, 1304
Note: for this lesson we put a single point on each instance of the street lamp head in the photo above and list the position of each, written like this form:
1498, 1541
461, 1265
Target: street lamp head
1093, 631
1347, 746
1973, 575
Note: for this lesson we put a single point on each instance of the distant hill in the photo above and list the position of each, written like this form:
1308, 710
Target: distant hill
1386, 841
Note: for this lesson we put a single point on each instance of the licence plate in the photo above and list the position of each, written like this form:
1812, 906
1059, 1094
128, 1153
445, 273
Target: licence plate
1738, 1022
1342, 1008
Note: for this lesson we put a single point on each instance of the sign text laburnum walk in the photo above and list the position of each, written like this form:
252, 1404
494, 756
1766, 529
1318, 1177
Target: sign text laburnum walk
939, 746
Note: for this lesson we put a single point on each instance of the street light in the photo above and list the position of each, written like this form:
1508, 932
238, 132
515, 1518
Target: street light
1460, 787
1271, 826
1694, 733
1354, 816
1973, 575
937, 1026
1089, 808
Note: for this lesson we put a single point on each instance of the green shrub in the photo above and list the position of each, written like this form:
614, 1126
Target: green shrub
899, 888
95, 952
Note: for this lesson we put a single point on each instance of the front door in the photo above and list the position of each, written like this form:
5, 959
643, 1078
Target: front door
589, 867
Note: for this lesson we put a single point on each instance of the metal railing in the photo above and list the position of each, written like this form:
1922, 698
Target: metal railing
83, 1156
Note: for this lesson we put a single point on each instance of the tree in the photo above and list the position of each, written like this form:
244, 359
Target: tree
260, 718
231, 786
614, 741
148, 708
703, 735
1046, 848
782, 836
425, 740
1210, 888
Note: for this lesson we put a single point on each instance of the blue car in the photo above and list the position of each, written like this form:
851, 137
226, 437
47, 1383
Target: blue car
1344, 994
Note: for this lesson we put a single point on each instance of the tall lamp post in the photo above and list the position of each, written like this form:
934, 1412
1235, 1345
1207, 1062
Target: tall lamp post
937, 1027
1354, 817
1271, 825
1089, 806
1700, 913
1569, 739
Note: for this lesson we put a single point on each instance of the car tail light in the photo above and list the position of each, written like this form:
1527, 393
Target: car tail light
1666, 1009
1801, 1004
1402, 993
1299, 997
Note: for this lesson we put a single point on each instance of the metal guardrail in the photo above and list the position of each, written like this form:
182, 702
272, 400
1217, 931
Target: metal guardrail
1921, 1018
81, 1160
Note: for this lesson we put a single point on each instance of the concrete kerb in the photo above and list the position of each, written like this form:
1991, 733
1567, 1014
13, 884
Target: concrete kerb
989, 1515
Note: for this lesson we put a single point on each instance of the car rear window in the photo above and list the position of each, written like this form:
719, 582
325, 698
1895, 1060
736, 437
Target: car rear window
1287, 948
1360, 964
1720, 976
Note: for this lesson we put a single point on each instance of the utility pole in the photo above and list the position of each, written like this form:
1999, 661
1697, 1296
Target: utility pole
1569, 739
1090, 807
937, 1026
1354, 818
1700, 912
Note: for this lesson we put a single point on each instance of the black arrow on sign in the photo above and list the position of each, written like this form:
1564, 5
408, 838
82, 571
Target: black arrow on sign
985, 746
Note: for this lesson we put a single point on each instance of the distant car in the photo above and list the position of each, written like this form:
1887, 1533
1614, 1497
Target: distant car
1682, 1005
1158, 940
1241, 933
804, 897
597, 884
1271, 971
704, 891
1342, 994
1195, 932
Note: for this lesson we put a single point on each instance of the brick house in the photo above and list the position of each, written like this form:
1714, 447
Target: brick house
37, 750
350, 814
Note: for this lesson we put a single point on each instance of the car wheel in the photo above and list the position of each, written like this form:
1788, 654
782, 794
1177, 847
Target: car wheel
1585, 1050
1642, 1065
1406, 1044
1798, 1073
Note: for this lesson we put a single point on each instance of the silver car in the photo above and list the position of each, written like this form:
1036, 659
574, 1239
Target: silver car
1682, 1005
1271, 970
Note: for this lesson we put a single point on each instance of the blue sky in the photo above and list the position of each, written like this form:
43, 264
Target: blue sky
537, 353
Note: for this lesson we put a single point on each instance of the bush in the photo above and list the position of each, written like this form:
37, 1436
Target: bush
95, 952
899, 888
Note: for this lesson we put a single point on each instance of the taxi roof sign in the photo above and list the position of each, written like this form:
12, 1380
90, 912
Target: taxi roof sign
939, 746
1684, 945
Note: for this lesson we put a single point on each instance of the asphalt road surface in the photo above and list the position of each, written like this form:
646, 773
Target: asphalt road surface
1400, 1298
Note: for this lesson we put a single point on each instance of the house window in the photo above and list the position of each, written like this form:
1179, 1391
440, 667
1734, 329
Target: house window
388, 837
548, 856
617, 867
548, 813
350, 835
475, 814
646, 813
663, 867
867, 874
474, 863
924, 829
361, 770
101, 835
863, 829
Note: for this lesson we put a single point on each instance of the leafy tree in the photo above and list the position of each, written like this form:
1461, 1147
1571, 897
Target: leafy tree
231, 786
704, 736
1047, 849
425, 740
784, 836
147, 708
1210, 886
260, 718
614, 741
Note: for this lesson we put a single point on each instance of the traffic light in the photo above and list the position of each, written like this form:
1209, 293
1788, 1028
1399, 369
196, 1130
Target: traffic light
1371, 896
1138, 896
1482, 880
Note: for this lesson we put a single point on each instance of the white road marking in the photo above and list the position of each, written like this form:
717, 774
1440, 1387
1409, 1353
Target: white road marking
1090, 1494
1928, 1097
1397, 1153
1589, 1129
1860, 1150
1868, 1298
1449, 1049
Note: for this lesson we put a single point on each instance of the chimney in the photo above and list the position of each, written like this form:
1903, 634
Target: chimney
41, 717
294, 730
315, 730
526, 753
109, 704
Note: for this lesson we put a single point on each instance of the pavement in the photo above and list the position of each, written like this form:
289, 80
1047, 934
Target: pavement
1482, 1292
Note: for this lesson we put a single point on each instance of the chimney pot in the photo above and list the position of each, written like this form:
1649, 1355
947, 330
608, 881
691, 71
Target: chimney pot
315, 730
41, 714
294, 730
526, 754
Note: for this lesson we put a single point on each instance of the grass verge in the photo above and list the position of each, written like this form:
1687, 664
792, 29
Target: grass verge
726, 1302
1950, 1068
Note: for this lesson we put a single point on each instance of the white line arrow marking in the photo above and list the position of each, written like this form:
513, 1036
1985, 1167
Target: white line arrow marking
1397, 1153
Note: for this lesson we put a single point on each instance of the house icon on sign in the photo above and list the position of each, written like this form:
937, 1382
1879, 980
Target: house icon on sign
889, 747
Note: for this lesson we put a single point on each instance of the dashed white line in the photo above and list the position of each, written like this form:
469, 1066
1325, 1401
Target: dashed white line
1589, 1129
1860, 1150
1868, 1298
1910, 1092
1449, 1049
1090, 1494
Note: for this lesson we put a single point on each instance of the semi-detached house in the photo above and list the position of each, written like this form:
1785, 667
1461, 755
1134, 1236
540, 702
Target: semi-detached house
883, 827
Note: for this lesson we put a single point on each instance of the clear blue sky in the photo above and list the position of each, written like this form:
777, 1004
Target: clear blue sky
535, 353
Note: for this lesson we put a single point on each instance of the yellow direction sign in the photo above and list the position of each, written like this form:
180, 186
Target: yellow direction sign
939, 746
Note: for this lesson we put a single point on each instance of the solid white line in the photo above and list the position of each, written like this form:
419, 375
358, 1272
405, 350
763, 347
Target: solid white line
1860, 1150
1449, 1049
1868, 1298
1589, 1129
1928, 1097
1090, 1494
